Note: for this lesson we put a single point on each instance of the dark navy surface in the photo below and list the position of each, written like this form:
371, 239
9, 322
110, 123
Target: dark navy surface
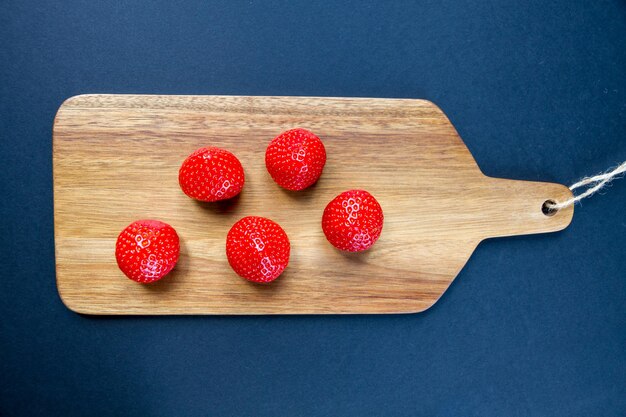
533, 326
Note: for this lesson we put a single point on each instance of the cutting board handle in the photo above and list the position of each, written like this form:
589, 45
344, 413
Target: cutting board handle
521, 213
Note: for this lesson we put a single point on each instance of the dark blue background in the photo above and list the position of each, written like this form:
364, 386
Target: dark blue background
533, 326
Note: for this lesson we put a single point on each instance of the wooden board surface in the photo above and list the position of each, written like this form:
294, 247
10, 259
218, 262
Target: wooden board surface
116, 160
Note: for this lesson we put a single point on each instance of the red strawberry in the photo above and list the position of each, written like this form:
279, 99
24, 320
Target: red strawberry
295, 159
211, 174
147, 250
257, 249
353, 220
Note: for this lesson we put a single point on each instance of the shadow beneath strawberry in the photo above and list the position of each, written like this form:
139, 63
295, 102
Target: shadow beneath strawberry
220, 207
165, 284
269, 289
302, 195
356, 257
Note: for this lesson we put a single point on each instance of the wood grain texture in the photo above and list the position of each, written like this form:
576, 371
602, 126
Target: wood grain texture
116, 160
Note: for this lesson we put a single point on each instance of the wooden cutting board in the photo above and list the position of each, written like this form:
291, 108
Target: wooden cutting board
116, 160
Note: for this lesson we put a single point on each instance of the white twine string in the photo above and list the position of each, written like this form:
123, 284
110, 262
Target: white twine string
595, 184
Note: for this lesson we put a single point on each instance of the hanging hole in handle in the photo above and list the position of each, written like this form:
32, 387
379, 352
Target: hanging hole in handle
548, 209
